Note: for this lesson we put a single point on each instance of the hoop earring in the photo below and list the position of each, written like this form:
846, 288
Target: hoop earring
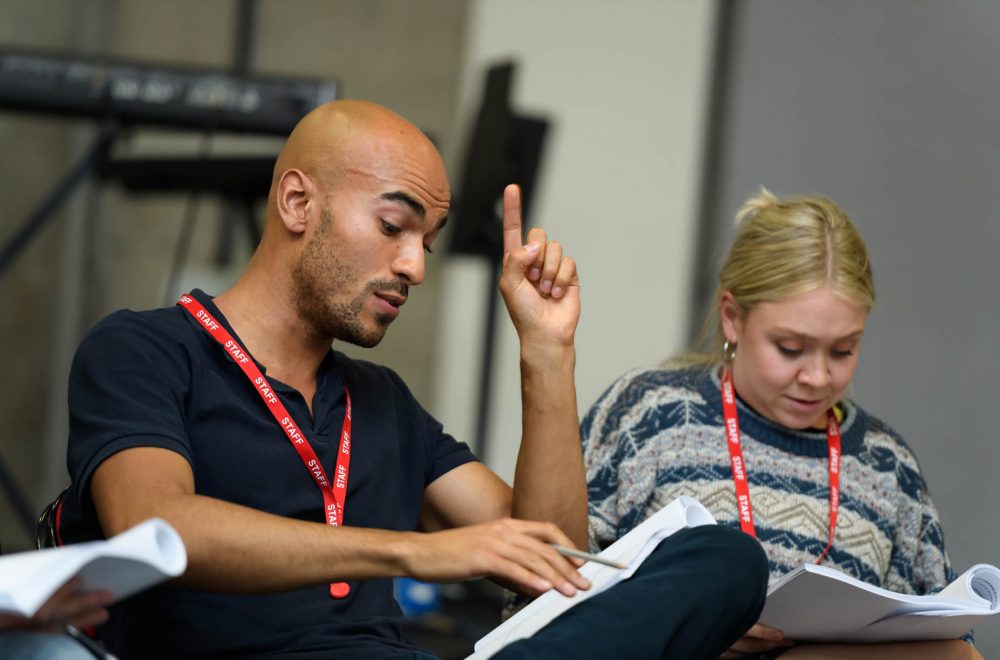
728, 351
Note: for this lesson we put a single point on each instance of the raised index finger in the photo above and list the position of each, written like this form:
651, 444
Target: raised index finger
511, 218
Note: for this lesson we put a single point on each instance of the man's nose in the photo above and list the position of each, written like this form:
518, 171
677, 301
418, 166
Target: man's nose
409, 263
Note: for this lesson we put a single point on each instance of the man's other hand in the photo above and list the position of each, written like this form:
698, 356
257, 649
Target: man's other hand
515, 553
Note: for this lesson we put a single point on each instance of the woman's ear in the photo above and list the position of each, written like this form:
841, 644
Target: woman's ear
296, 192
731, 315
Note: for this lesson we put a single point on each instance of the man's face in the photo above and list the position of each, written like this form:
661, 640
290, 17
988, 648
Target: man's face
375, 227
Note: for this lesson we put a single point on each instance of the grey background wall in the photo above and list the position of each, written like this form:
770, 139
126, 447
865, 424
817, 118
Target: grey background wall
888, 107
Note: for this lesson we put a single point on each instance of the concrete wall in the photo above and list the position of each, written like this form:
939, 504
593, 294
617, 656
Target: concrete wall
37, 151
115, 250
625, 84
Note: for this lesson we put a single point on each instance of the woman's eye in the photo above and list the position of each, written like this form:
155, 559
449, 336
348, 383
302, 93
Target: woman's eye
842, 354
790, 352
389, 228
428, 250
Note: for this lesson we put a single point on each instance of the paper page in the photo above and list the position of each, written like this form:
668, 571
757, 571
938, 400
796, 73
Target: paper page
980, 585
27, 579
632, 549
920, 626
143, 555
124, 564
817, 603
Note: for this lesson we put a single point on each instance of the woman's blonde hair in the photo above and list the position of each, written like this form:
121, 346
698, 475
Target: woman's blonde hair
784, 247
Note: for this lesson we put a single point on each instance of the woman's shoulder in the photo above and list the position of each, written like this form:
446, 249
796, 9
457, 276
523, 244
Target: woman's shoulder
885, 447
665, 381
661, 397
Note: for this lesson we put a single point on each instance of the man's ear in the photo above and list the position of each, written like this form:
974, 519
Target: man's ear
731, 316
296, 197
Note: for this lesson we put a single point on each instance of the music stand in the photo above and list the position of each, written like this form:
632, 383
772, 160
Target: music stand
504, 147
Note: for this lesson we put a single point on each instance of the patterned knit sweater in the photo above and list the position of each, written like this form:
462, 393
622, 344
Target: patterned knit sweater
657, 434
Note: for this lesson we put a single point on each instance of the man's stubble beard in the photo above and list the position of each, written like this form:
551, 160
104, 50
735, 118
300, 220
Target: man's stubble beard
318, 276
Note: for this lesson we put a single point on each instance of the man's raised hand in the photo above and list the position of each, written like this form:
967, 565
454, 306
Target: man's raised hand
539, 285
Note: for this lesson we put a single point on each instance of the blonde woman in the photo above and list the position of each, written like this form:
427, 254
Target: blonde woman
774, 363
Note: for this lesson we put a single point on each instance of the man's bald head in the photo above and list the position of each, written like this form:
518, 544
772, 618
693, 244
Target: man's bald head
342, 136
358, 196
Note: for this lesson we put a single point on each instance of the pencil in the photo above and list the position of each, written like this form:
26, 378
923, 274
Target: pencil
579, 554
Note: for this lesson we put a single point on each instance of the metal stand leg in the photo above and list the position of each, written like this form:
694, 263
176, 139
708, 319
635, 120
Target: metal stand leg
97, 153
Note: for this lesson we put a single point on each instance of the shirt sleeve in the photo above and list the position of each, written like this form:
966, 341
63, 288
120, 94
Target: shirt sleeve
126, 389
442, 451
446, 453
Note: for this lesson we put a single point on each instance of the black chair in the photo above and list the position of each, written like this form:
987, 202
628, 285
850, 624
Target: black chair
47, 527
47, 536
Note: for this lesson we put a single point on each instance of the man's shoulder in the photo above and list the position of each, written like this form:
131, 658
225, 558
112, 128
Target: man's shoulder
162, 322
129, 335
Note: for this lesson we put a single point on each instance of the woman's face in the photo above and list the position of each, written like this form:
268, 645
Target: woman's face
794, 357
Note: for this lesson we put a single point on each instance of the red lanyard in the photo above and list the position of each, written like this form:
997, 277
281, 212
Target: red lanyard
334, 495
740, 470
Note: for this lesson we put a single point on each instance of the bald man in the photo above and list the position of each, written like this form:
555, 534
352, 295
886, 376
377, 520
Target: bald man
300, 479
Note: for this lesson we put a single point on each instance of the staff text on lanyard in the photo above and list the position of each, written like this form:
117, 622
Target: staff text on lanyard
335, 494
739, 467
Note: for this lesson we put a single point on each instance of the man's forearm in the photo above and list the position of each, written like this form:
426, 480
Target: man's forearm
236, 549
549, 482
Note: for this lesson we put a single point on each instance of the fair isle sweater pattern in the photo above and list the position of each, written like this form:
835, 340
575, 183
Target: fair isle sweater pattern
656, 434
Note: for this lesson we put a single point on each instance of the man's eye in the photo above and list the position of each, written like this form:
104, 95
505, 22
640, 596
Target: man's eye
389, 228
842, 354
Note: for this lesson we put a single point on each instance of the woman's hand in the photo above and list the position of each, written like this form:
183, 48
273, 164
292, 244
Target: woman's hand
951, 649
759, 639
68, 604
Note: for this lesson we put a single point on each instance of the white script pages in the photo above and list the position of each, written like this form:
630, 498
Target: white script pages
631, 550
136, 559
818, 603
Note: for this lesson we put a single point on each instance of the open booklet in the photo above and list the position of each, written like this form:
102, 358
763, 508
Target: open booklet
821, 604
140, 557
631, 550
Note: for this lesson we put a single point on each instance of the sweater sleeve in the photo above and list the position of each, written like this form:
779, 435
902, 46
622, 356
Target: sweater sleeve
932, 569
620, 478
919, 563
601, 470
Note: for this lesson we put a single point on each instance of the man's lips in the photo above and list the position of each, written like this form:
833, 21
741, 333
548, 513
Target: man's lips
393, 299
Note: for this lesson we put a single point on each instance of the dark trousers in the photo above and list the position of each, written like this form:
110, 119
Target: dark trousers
699, 591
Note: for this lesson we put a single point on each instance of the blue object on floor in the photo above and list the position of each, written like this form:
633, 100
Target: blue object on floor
416, 597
